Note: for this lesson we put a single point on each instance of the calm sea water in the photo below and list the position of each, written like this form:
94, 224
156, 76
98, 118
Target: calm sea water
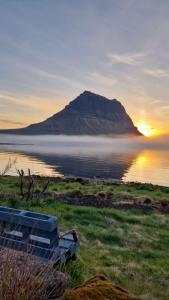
118, 158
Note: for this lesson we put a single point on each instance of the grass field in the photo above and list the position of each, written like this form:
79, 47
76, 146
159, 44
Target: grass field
129, 247
157, 193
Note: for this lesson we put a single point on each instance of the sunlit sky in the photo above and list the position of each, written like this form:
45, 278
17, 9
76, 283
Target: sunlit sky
51, 51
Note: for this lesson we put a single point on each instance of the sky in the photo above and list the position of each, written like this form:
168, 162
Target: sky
51, 51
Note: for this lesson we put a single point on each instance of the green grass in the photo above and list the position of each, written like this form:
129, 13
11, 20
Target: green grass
129, 247
157, 193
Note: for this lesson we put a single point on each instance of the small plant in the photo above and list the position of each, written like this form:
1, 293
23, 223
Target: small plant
13, 202
8, 166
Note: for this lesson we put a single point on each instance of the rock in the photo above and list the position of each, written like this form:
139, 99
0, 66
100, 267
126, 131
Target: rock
102, 195
164, 204
82, 181
69, 179
74, 194
56, 195
110, 196
144, 200
98, 288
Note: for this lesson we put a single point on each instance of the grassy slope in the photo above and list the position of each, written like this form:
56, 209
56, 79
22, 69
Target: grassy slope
129, 247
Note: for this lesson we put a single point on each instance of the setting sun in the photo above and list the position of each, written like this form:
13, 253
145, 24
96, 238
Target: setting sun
145, 129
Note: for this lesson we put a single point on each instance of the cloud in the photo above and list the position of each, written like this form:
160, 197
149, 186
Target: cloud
102, 79
26, 108
58, 77
6, 123
157, 73
27, 102
127, 58
166, 107
12, 122
155, 101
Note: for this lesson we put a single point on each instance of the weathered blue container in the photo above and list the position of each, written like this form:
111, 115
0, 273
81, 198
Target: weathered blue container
36, 234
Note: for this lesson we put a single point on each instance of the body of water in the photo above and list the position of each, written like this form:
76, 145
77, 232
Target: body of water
124, 159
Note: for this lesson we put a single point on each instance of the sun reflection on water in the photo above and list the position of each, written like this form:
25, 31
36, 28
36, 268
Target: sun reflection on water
144, 166
150, 166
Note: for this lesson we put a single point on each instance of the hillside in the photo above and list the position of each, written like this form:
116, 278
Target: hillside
88, 114
129, 246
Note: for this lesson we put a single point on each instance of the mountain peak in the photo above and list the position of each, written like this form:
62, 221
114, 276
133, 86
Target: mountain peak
88, 93
88, 114
95, 105
91, 96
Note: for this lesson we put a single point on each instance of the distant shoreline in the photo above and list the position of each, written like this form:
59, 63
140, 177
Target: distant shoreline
15, 144
95, 180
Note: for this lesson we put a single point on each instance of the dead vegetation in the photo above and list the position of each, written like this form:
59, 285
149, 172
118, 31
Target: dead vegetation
98, 288
111, 200
23, 277
28, 184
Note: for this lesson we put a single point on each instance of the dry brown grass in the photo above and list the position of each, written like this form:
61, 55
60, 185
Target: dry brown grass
23, 277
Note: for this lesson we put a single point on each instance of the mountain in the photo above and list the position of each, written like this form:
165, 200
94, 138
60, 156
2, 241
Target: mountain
88, 114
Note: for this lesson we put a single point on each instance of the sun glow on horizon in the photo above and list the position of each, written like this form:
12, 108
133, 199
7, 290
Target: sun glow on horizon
146, 130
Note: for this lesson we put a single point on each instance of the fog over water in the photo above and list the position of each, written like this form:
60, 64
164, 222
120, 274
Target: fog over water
127, 158
85, 144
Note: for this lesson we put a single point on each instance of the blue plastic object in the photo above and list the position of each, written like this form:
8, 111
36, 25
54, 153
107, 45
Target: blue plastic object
36, 234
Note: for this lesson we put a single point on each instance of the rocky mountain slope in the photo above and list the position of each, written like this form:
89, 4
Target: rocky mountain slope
88, 114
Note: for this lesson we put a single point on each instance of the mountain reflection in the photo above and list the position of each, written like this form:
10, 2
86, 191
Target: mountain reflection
117, 158
106, 166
